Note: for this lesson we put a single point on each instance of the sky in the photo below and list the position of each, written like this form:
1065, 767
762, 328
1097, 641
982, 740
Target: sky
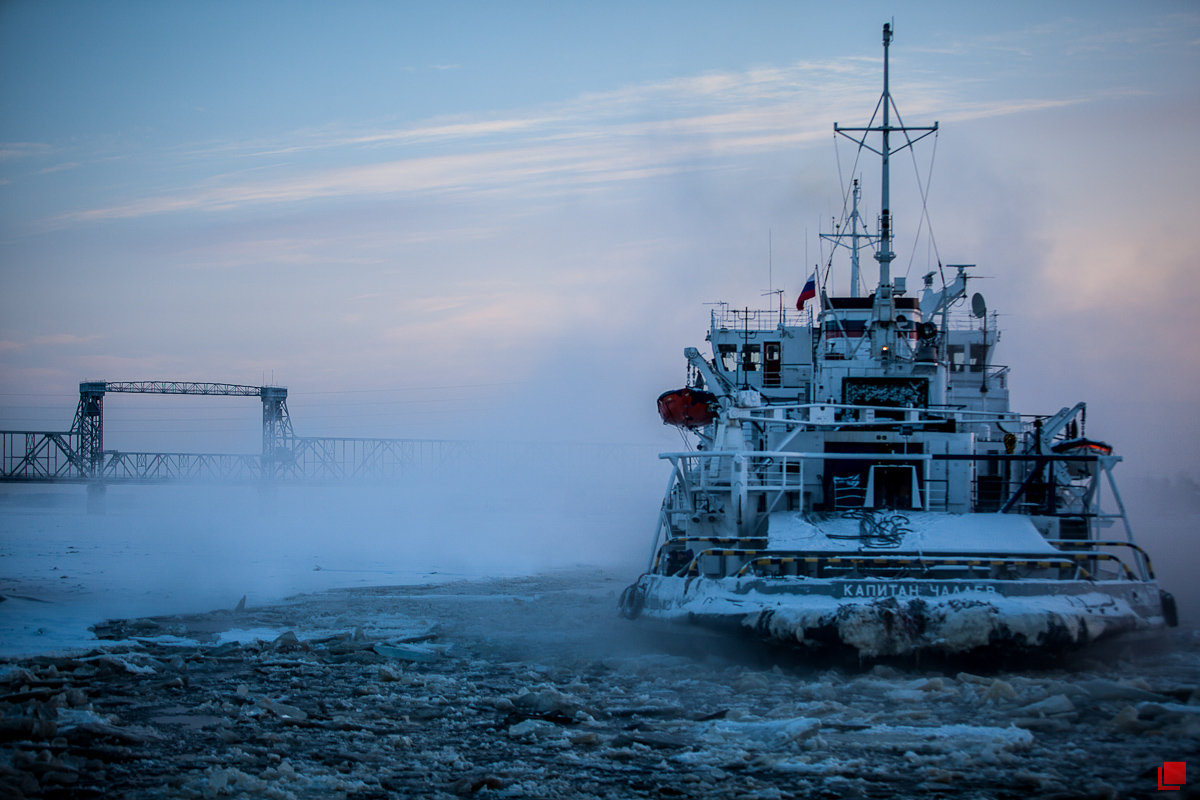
505, 220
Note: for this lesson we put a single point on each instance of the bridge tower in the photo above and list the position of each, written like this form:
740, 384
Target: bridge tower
277, 431
89, 428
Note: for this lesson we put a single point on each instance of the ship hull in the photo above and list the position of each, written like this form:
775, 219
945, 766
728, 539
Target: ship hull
883, 618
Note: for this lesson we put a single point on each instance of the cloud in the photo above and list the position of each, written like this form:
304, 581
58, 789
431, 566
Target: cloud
631, 134
544, 166
443, 130
292, 251
58, 168
15, 150
65, 338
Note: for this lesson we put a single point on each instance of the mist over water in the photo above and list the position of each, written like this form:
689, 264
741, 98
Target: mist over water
177, 547
501, 506
1165, 515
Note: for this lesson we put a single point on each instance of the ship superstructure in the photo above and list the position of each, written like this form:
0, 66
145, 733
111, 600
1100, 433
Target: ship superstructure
860, 479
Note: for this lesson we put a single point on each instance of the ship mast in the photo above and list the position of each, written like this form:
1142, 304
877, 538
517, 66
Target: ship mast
854, 236
854, 242
884, 255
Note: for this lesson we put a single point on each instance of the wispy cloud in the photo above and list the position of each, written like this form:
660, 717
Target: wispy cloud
51, 339
442, 131
58, 168
309, 250
597, 139
14, 150
64, 339
974, 111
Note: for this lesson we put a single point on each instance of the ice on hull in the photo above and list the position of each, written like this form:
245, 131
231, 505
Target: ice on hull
876, 618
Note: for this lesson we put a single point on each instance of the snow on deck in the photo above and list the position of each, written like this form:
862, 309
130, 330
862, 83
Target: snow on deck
927, 532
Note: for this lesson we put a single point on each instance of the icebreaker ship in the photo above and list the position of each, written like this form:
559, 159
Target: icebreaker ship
859, 480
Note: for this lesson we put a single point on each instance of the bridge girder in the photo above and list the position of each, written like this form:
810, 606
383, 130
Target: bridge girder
78, 455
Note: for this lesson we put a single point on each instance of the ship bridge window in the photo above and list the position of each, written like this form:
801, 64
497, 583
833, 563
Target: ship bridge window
958, 357
979, 356
728, 354
751, 357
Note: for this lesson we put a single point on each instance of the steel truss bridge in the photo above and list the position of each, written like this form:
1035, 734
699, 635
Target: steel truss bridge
77, 455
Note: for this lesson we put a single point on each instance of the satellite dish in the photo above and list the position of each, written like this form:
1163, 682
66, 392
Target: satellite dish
978, 306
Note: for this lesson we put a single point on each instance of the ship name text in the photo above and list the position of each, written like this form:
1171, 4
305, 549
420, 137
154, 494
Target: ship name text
908, 589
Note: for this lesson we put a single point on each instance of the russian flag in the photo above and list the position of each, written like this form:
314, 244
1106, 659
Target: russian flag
807, 293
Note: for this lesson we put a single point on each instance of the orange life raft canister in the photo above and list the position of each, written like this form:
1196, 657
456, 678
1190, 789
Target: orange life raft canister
688, 408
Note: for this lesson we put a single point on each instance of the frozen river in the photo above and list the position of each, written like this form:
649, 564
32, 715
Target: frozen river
452, 666
532, 687
164, 549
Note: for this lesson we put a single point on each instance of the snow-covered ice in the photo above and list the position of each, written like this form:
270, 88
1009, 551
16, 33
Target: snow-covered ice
417, 677
533, 687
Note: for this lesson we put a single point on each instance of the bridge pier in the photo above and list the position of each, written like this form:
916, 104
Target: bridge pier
96, 501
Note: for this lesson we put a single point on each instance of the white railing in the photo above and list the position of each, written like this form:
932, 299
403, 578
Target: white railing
738, 473
844, 415
737, 479
757, 319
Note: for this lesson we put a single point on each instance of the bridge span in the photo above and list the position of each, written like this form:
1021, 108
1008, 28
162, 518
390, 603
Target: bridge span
78, 454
